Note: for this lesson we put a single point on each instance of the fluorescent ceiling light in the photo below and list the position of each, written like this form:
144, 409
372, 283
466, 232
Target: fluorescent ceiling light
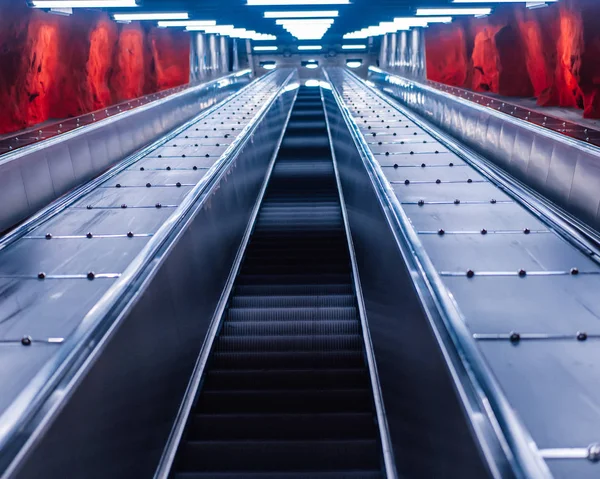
219, 29
416, 21
297, 2
310, 47
265, 49
304, 14
353, 63
308, 21
128, 17
504, 1
312, 66
354, 47
453, 11
84, 3
187, 23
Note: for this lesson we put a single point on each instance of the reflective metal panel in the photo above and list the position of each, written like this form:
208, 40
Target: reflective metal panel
165, 348
34, 176
563, 170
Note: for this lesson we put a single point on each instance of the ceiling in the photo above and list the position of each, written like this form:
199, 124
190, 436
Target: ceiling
357, 15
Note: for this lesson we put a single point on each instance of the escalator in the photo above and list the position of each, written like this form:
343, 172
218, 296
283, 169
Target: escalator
286, 391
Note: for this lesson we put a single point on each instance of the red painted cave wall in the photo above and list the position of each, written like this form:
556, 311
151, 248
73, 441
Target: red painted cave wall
55, 66
551, 53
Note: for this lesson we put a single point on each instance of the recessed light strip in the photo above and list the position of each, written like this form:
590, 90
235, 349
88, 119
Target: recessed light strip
84, 3
304, 14
129, 17
296, 2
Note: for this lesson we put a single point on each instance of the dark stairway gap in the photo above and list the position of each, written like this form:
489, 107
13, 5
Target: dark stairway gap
287, 392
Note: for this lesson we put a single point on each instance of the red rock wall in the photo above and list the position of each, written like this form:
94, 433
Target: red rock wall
551, 53
55, 67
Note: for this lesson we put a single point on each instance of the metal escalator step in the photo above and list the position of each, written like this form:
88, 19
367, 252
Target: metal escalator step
293, 289
220, 427
341, 474
314, 342
291, 314
278, 328
288, 360
289, 379
324, 455
284, 401
293, 278
295, 301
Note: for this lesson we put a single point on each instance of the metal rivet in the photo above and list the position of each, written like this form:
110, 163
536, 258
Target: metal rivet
48, 236
174, 145
160, 156
526, 231
457, 202
387, 153
441, 232
514, 337
483, 231
402, 142
415, 133
158, 205
207, 155
451, 164
89, 207
421, 203
574, 271
26, 340
91, 275
183, 156
380, 143
423, 165
522, 272
118, 185
412, 152
438, 181
436, 152
130, 235
470, 273
492, 201
89, 235
142, 168
186, 136
594, 452
148, 185
407, 182
41, 275
581, 336
123, 206
194, 167
469, 180
178, 184
168, 168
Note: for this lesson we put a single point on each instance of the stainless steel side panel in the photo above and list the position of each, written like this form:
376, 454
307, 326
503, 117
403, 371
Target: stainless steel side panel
565, 171
429, 427
112, 413
34, 176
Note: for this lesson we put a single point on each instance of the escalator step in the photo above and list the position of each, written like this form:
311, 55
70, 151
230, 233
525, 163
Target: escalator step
293, 301
293, 289
328, 342
244, 279
284, 401
221, 427
290, 314
324, 455
288, 360
274, 328
289, 379
341, 474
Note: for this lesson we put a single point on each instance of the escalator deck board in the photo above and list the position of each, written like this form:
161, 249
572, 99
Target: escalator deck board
286, 391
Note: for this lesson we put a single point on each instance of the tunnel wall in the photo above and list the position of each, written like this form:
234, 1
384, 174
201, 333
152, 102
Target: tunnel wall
53, 66
551, 53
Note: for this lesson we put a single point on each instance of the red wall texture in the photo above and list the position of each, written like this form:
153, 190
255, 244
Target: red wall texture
55, 66
551, 53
